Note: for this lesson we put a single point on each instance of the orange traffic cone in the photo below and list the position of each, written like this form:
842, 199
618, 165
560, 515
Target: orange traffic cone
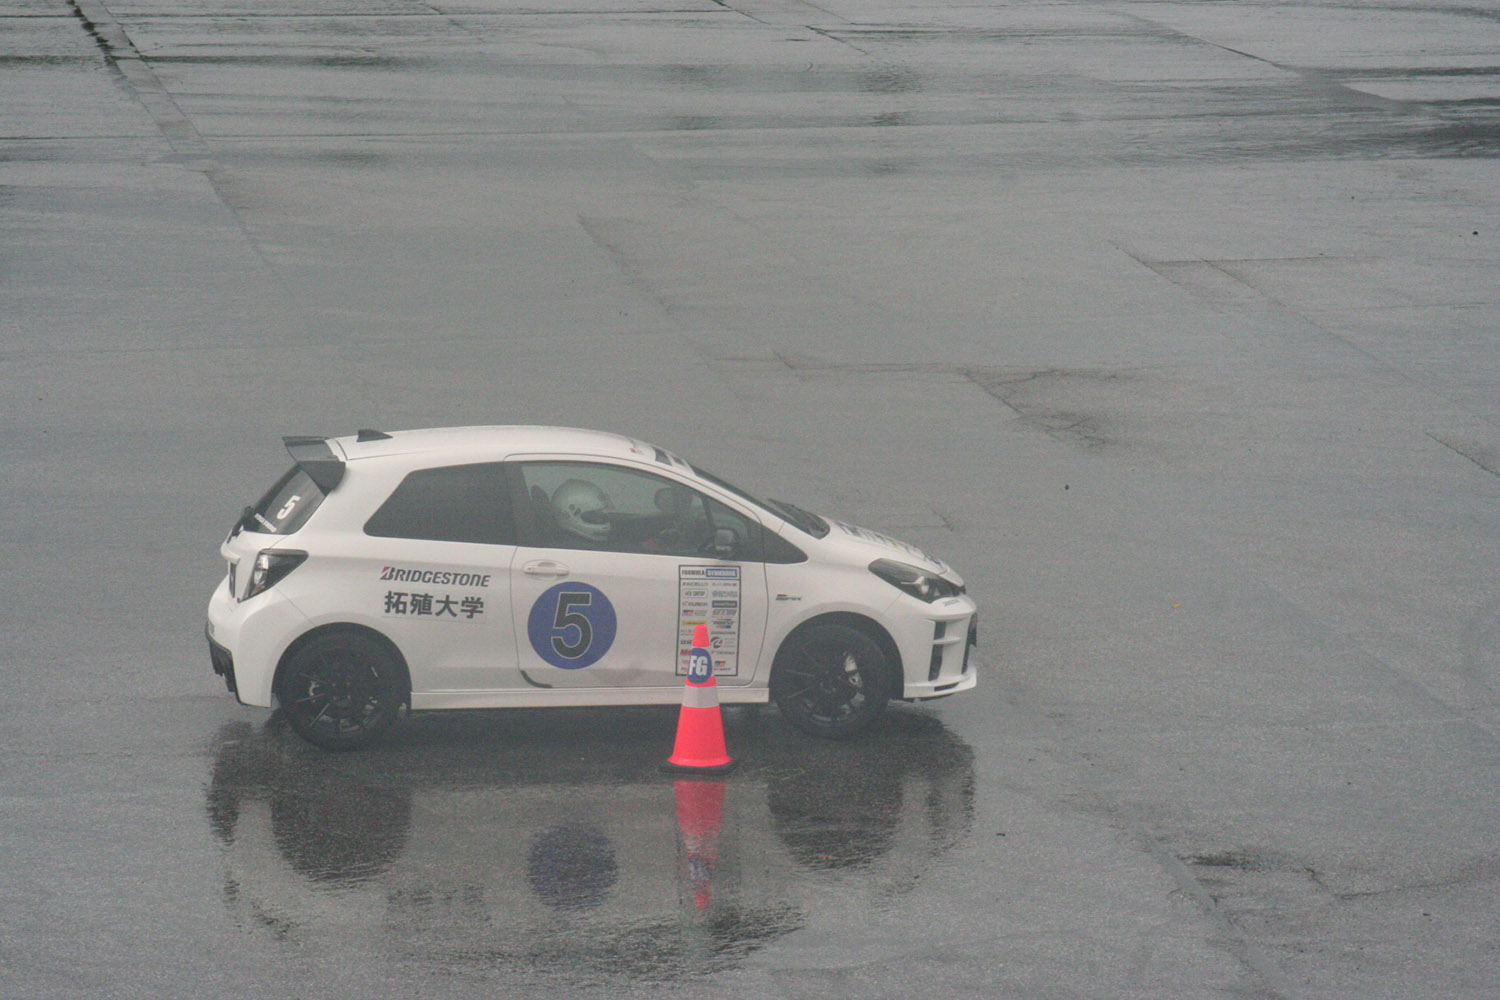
700, 727
700, 809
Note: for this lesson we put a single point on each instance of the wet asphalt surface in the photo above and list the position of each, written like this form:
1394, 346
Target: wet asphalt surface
1171, 324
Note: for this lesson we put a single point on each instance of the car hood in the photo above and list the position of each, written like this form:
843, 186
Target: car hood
864, 543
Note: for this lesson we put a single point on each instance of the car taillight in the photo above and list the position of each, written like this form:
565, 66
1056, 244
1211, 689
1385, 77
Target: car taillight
271, 567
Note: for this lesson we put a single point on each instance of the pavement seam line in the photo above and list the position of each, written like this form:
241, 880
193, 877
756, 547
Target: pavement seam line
1474, 454
123, 57
182, 137
1239, 942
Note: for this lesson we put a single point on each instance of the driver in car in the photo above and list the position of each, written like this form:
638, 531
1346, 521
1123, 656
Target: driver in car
583, 510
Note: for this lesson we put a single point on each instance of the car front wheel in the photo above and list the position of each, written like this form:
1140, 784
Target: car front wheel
830, 680
341, 691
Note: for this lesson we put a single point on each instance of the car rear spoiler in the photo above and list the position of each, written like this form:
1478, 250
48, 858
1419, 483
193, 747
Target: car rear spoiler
314, 457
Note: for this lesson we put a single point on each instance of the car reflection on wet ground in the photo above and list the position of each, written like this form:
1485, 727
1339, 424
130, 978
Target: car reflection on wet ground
548, 844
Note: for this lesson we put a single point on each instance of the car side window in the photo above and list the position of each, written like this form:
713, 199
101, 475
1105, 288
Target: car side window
457, 503
586, 505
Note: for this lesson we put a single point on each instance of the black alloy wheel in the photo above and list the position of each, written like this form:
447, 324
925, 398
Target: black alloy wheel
341, 691
830, 680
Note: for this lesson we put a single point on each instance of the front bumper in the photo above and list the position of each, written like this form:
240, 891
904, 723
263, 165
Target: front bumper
935, 650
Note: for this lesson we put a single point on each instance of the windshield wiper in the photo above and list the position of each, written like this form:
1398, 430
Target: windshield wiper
804, 519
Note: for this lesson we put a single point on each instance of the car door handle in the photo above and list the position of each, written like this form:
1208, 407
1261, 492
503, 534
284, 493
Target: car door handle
545, 568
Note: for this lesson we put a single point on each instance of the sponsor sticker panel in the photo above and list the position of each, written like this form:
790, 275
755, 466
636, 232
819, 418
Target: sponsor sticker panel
709, 595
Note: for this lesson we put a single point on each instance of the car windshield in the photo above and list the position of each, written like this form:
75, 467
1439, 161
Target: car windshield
803, 519
284, 508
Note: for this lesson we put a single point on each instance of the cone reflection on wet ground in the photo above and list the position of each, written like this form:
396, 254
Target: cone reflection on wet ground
700, 810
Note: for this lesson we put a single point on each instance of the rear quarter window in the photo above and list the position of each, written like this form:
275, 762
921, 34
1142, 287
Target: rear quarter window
456, 503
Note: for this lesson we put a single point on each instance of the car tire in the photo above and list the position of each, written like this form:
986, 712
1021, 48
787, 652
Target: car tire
830, 680
342, 690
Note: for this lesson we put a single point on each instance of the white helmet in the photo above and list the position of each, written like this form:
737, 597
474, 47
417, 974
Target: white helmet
582, 509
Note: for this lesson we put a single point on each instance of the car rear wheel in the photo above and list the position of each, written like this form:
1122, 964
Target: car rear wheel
342, 690
830, 680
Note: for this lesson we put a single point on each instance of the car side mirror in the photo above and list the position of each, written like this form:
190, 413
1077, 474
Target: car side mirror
726, 543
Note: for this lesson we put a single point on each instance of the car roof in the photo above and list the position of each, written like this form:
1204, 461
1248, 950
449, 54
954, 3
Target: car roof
494, 442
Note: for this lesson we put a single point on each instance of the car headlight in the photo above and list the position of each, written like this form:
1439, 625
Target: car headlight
271, 567
919, 583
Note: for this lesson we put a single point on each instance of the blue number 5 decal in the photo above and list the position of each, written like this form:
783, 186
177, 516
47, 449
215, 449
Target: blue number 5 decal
572, 625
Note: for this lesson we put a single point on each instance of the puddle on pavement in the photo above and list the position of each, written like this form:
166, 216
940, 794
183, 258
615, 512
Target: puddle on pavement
548, 844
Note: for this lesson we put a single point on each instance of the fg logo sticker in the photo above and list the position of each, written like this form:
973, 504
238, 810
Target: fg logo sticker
572, 625
700, 666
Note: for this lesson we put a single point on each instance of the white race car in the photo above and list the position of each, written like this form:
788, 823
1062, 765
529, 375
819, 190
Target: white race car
501, 567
